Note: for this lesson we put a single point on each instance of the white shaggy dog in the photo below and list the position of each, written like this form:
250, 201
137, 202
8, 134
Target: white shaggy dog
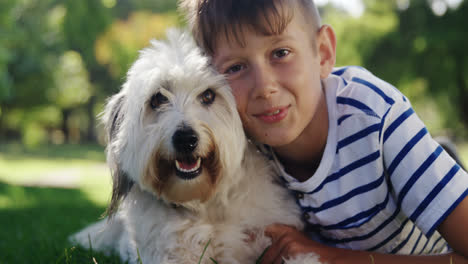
184, 174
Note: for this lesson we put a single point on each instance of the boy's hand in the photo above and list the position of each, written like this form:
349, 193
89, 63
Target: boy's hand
288, 242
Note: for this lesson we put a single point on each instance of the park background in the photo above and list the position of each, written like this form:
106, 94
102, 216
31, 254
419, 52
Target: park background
61, 59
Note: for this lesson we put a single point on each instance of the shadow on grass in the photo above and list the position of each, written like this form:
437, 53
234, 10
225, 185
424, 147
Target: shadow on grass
15, 151
36, 223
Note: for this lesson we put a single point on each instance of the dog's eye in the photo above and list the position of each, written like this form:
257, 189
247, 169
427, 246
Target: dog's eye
207, 97
157, 100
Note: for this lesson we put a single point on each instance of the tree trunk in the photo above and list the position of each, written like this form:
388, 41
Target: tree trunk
2, 127
462, 90
91, 133
66, 131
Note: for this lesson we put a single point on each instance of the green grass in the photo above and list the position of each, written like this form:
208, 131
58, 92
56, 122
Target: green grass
37, 220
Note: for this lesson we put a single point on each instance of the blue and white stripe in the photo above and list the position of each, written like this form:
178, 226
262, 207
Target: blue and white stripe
383, 183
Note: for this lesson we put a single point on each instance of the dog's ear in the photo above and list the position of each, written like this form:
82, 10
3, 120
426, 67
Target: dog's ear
112, 117
121, 185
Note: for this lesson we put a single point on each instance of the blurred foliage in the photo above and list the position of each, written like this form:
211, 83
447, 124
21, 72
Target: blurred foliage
52, 85
28, 49
418, 46
427, 51
72, 81
60, 59
118, 47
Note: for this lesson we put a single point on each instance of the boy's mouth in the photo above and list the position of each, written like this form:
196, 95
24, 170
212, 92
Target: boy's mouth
273, 115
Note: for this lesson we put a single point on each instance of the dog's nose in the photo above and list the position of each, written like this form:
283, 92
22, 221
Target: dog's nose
185, 140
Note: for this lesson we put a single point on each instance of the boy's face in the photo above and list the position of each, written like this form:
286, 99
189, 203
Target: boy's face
275, 80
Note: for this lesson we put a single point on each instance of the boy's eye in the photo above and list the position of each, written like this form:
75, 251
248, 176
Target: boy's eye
207, 97
157, 100
234, 69
281, 53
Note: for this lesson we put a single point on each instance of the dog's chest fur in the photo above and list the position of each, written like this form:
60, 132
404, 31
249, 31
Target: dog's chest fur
231, 222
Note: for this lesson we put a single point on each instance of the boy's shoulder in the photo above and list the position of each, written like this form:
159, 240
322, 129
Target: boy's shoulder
360, 91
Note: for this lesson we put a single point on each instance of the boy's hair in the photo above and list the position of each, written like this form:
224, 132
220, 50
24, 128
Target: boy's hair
211, 19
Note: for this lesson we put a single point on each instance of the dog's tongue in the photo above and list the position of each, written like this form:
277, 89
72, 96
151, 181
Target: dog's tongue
188, 165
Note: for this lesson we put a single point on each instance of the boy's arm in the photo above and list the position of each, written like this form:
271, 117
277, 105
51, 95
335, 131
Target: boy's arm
454, 228
288, 242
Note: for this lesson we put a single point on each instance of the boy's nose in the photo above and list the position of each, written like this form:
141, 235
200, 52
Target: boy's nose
265, 82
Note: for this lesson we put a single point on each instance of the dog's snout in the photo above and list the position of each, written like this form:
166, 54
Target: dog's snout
185, 140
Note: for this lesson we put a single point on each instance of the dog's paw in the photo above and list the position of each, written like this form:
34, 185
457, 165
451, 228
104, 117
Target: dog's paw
309, 258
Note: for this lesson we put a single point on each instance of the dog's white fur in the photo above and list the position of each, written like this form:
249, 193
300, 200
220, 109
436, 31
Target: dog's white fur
162, 217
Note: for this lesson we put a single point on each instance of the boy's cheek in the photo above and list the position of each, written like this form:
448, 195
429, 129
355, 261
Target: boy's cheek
247, 125
239, 97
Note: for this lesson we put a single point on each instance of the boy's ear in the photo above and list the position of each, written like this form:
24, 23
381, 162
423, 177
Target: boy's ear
326, 44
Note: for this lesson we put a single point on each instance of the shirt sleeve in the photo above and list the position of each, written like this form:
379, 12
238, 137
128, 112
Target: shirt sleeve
426, 182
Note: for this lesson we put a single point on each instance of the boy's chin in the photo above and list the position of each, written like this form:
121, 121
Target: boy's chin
274, 139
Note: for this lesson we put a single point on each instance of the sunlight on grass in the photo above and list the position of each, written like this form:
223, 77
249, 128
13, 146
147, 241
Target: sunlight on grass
97, 185
463, 152
18, 171
92, 178
67, 167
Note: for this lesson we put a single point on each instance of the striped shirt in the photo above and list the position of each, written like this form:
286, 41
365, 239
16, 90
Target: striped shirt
383, 183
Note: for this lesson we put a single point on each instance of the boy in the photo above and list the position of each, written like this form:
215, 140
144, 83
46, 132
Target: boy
373, 185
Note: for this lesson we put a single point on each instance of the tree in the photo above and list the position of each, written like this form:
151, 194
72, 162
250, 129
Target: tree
28, 54
416, 49
429, 47
85, 20
118, 47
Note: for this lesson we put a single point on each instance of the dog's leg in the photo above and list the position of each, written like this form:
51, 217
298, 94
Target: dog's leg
103, 235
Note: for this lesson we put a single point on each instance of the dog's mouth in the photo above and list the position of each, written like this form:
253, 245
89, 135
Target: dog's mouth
184, 177
188, 168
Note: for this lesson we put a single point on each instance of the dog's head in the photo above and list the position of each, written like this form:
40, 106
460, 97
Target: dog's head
173, 129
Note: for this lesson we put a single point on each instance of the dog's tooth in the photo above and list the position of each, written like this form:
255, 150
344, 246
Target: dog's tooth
196, 167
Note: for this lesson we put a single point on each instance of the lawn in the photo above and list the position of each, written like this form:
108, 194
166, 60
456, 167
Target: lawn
50, 193
45, 196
